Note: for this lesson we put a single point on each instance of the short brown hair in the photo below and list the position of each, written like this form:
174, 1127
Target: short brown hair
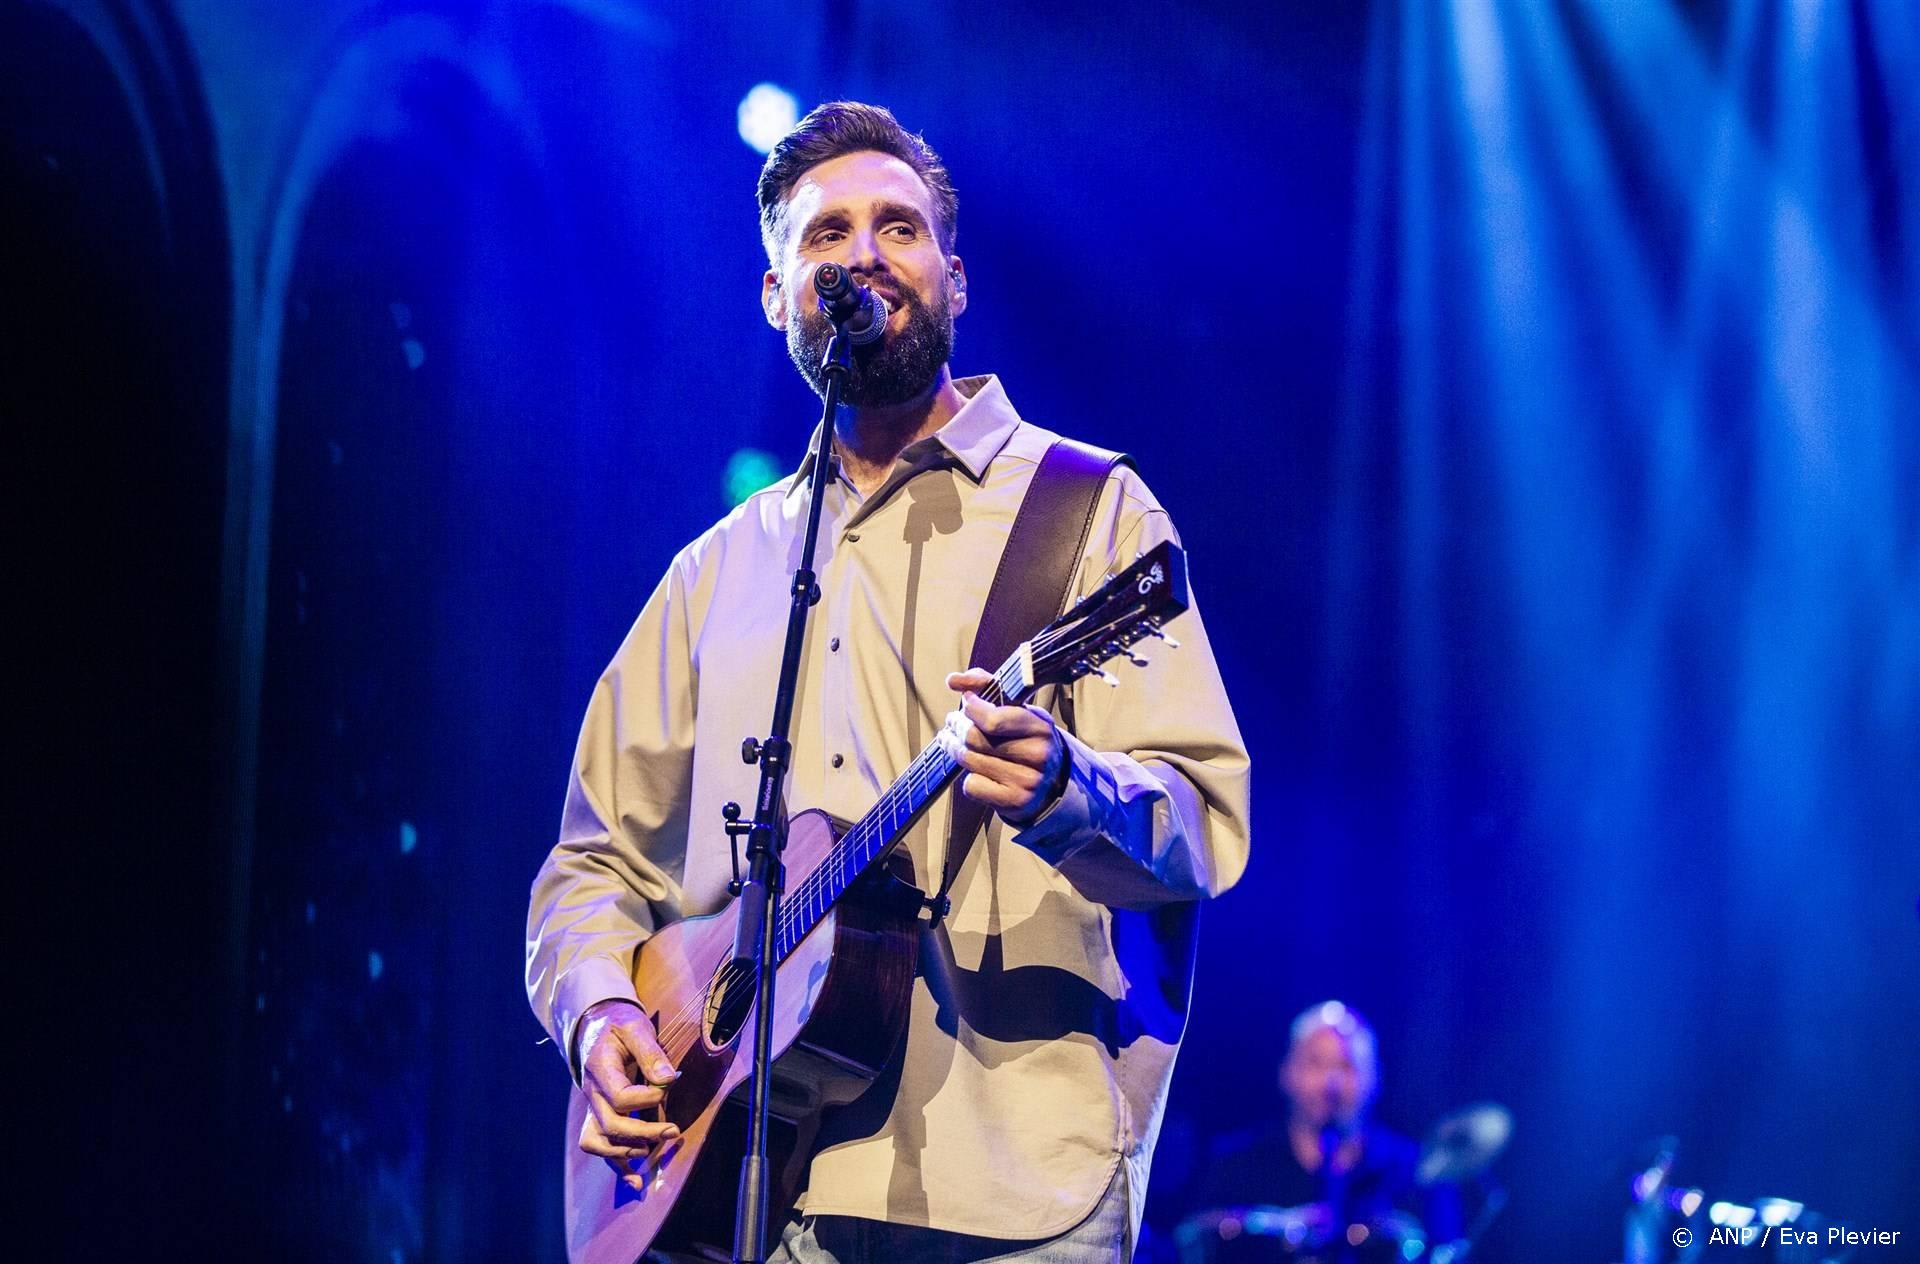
847, 127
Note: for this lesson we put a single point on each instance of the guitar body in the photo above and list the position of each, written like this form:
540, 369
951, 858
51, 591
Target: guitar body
840, 1007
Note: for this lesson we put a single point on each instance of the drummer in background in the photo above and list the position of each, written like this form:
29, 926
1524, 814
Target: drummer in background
1327, 1151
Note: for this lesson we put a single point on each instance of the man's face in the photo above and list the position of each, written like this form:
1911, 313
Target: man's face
1323, 1081
872, 214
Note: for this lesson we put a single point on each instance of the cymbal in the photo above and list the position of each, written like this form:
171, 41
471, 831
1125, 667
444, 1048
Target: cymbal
1464, 1143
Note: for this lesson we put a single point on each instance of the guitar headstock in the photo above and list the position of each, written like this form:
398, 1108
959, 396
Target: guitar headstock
1130, 607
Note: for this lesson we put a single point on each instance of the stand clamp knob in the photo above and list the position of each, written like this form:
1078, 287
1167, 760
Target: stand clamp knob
735, 827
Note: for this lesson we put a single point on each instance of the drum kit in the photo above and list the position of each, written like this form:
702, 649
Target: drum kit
1665, 1223
1458, 1151
1669, 1223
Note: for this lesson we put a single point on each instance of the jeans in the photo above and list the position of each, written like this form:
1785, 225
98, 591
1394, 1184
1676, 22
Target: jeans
1099, 1239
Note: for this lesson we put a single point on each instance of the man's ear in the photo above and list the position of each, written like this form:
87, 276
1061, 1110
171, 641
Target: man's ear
957, 271
773, 299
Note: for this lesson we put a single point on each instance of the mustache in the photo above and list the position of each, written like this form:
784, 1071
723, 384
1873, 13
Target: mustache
895, 296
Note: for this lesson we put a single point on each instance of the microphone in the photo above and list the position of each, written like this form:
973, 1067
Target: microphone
859, 312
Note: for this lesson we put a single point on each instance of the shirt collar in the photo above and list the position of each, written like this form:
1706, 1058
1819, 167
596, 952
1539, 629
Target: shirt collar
974, 435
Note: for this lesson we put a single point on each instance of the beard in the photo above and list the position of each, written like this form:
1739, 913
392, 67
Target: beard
900, 367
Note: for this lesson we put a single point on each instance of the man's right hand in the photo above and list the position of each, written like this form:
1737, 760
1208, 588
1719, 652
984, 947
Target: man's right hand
622, 1071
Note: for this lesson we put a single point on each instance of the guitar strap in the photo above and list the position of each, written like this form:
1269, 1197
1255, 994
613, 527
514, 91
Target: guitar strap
1029, 591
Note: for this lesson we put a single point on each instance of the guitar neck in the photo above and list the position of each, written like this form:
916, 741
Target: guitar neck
875, 835
1105, 625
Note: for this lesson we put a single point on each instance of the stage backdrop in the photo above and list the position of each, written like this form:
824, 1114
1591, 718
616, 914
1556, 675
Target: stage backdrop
1534, 387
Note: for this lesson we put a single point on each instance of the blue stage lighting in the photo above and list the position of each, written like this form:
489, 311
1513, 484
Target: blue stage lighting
767, 113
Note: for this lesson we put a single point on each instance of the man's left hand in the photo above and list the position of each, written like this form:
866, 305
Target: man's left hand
1015, 758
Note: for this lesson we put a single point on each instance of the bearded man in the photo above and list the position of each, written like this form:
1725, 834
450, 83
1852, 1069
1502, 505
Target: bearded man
1016, 1120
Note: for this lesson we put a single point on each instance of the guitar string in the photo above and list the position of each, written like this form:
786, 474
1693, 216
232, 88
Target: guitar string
1003, 683
923, 774
919, 780
921, 777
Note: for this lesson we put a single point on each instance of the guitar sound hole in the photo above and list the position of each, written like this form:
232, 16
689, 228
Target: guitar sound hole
729, 1000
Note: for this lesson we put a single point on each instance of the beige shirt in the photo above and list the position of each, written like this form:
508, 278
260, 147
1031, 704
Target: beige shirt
1051, 1002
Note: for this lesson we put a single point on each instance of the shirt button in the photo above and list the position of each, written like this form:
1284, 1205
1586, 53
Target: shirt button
834, 645
838, 760
853, 537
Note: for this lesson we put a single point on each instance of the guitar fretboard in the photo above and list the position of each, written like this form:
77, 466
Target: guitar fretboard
874, 835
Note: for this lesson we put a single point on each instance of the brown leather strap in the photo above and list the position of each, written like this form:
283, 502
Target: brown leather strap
1029, 591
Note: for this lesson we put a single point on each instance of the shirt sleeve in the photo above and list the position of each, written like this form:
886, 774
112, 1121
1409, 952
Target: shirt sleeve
1155, 808
615, 874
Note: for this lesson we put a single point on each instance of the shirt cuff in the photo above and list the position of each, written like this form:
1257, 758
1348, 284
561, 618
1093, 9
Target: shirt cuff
1073, 820
589, 982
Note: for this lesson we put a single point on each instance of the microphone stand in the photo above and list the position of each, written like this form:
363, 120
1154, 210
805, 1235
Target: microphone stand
1334, 1181
766, 836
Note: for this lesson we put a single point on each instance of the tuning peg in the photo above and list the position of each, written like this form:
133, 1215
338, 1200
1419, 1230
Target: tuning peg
1136, 660
1087, 667
1171, 643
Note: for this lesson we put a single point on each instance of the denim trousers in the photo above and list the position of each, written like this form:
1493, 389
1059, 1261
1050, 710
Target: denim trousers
1102, 1238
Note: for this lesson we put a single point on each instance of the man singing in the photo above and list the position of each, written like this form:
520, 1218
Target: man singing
1018, 1117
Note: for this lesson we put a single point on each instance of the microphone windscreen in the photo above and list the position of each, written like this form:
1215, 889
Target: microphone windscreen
869, 324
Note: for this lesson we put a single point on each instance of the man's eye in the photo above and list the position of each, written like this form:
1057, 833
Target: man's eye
826, 237
903, 231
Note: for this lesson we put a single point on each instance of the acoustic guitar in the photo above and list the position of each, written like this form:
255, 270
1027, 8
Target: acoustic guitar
847, 947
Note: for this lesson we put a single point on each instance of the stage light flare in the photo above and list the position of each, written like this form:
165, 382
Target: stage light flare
749, 470
767, 113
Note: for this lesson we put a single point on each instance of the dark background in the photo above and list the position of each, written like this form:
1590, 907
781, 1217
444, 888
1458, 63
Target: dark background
1534, 386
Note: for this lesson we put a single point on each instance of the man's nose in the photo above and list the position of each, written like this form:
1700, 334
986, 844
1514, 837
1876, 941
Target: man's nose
863, 251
